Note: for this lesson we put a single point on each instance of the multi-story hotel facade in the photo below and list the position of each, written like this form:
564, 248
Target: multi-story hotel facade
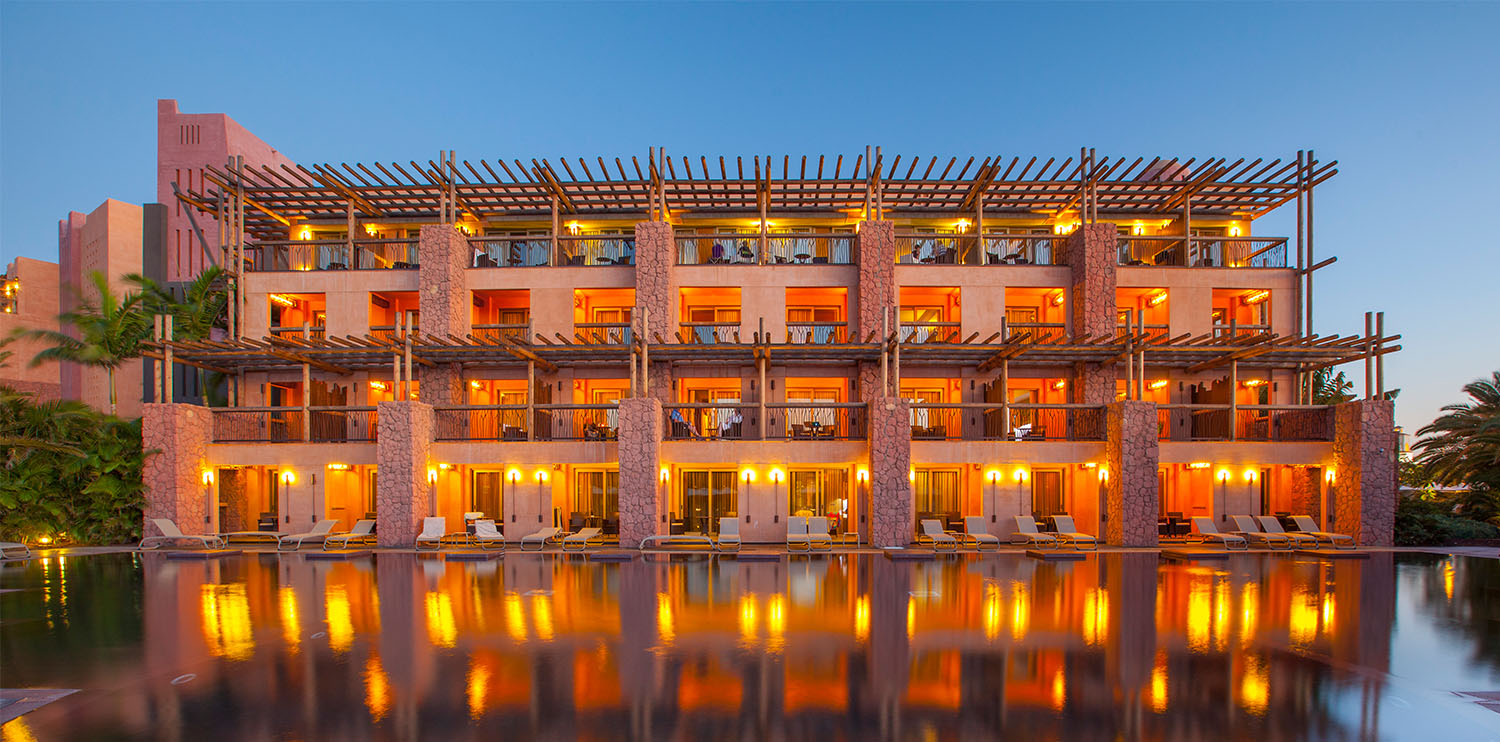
652, 344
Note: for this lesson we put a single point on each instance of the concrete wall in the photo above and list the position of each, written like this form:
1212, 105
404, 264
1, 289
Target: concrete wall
35, 290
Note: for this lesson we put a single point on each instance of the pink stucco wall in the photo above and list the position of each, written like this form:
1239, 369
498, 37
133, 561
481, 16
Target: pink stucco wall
36, 307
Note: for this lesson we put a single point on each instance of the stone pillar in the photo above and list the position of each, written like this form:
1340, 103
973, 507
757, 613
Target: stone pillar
656, 294
642, 503
891, 513
1090, 252
232, 494
179, 434
1364, 445
403, 448
876, 251
1132, 451
443, 253
1306, 487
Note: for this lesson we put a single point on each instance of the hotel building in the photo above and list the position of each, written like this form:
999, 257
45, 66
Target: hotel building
650, 344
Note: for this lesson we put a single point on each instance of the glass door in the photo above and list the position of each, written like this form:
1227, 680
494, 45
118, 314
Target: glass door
596, 501
487, 495
1047, 493
935, 494
708, 496
821, 492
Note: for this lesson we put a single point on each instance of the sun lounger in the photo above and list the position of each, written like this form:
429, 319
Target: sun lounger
1270, 524
318, 535
817, 534
170, 532
1245, 527
13, 550
1028, 535
541, 538
363, 532
668, 539
433, 530
796, 533
975, 531
933, 531
1306, 524
729, 534
1206, 531
583, 539
266, 536
488, 535
1068, 533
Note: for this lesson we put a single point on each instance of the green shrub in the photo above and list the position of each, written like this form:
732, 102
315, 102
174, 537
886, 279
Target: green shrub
1421, 522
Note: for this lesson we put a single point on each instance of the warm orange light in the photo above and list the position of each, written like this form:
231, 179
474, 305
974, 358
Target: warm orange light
1057, 299
1329, 476
1249, 475
776, 476
1021, 475
1103, 474
304, 234
1234, 229
541, 476
1252, 383
285, 301
208, 476
666, 474
513, 475
862, 474
1158, 384
475, 385
432, 475
1223, 475
1198, 465
1256, 297
1060, 384
1156, 298
747, 475
912, 475
963, 225
378, 386
288, 477
993, 476
338, 467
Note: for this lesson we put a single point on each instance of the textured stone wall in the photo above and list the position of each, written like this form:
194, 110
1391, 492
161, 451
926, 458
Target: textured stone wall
1090, 252
659, 383
869, 382
179, 435
403, 448
641, 502
233, 495
1364, 443
1133, 453
1093, 383
442, 384
877, 275
655, 262
891, 512
1305, 491
444, 253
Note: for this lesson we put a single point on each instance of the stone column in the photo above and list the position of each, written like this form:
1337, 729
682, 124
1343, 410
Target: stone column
179, 434
890, 472
642, 503
443, 253
656, 294
1090, 252
1306, 485
1364, 445
1132, 451
403, 449
876, 251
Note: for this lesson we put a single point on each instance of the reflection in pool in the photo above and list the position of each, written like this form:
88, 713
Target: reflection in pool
835, 647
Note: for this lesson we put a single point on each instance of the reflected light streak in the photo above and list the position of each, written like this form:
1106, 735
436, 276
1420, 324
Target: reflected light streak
747, 619
515, 620
340, 620
16, 730
1255, 688
1095, 616
478, 688
776, 623
1221, 615
377, 689
1249, 612
862, 619
1302, 617
664, 626
992, 611
226, 621
291, 623
1199, 615
1159, 683
1020, 611
1059, 691
911, 618
442, 630
1328, 613
541, 613
1448, 579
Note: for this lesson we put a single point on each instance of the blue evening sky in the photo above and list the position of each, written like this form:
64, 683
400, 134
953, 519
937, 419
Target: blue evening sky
1404, 96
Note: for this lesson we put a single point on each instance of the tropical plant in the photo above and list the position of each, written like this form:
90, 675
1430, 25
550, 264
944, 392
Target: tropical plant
110, 332
1462, 447
1330, 388
202, 308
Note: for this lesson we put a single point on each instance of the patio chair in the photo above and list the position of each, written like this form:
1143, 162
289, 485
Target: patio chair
1207, 531
540, 538
318, 534
1027, 531
796, 533
932, 530
1270, 524
433, 530
975, 531
585, 538
1305, 524
13, 550
1245, 527
363, 532
266, 536
1068, 533
729, 534
817, 534
488, 535
170, 532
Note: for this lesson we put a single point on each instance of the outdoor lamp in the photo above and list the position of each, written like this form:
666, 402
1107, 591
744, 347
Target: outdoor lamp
431, 475
287, 477
993, 476
541, 476
748, 475
666, 474
776, 476
1021, 475
1329, 476
514, 475
1249, 475
863, 474
1103, 474
1223, 475
912, 475
208, 477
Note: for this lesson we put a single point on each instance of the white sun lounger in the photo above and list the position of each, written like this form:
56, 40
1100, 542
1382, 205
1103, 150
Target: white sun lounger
1270, 524
170, 532
318, 534
540, 538
585, 538
488, 535
796, 533
1069, 534
817, 534
433, 530
1028, 534
363, 532
266, 536
933, 531
975, 531
1245, 527
13, 550
1306, 524
1206, 531
729, 534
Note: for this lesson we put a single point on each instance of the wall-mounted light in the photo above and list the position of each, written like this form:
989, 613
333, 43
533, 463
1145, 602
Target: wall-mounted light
304, 234
513, 476
432, 475
963, 225
1057, 299
208, 477
285, 301
1137, 229
338, 467
1329, 476
475, 385
378, 386
665, 474
1156, 298
1090, 465
444, 467
1249, 475
1198, 465
1223, 475
1021, 475
1060, 384
1158, 384
993, 476
541, 476
1256, 297
776, 476
1252, 383
747, 475
1103, 474
573, 227
1234, 229
288, 476
911, 475
371, 230
862, 475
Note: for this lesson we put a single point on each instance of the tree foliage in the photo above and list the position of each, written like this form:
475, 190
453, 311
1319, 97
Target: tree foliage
1462, 447
1330, 388
110, 330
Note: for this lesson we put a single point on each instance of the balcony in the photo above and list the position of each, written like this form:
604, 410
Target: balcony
550, 422
929, 332
1273, 423
817, 333
603, 333
300, 331
331, 255
822, 421
1036, 331
520, 333
1021, 249
708, 333
616, 249
810, 249
968, 249
718, 249
1205, 252
710, 421
389, 333
1027, 422
1236, 330
285, 425
510, 251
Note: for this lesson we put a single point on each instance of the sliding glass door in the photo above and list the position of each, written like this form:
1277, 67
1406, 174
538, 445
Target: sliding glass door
708, 496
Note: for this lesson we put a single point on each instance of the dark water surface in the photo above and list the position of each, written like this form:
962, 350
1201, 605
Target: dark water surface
827, 648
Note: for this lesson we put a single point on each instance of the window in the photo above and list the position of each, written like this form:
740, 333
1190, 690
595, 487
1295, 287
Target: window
596, 494
820, 492
706, 496
1047, 493
936, 494
486, 494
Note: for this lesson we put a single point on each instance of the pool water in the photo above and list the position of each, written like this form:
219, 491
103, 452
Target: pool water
841, 647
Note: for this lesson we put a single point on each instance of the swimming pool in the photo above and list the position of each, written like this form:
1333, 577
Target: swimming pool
400, 646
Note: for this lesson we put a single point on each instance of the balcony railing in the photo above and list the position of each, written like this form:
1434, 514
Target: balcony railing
816, 332
711, 421
969, 249
1039, 331
480, 423
929, 332
597, 250
1206, 252
504, 251
546, 422
708, 333
816, 421
1027, 422
305, 333
604, 333
1236, 330
331, 255
520, 333
722, 249
1021, 249
390, 333
284, 424
930, 249
1277, 423
810, 249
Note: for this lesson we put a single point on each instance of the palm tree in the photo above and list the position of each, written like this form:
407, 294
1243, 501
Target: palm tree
1463, 446
1329, 389
109, 332
202, 307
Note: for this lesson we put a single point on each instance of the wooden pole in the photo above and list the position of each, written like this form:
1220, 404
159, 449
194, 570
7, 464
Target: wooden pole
1379, 357
896, 368
885, 351
764, 200
1130, 354
879, 191
167, 359
556, 233
406, 361
1234, 397
306, 402
1369, 361
1301, 258
530, 400
156, 372
1308, 301
1140, 377
760, 365
1005, 397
